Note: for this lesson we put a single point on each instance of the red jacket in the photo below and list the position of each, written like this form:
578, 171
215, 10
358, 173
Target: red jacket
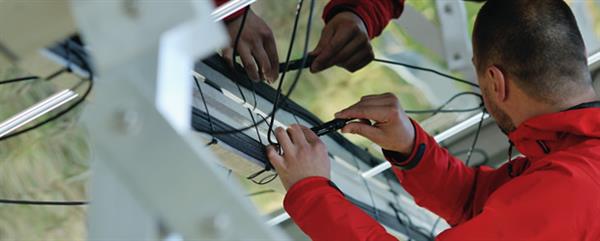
552, 193
375, 13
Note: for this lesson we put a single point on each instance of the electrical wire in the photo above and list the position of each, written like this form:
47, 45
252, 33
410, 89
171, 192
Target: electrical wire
233, 57
298, 72
260, 193
235, 50
470, 153
282, 76
427, 70
46, 203
279, 91
48, 120
484, 155
19, 79
432, 232
62, 112
364, 180
442, 110
210, 123
408, 224
267, 179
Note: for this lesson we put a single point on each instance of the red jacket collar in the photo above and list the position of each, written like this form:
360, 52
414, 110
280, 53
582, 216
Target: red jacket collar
548, 133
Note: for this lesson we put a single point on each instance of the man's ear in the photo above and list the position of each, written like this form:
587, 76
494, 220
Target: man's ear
499, 83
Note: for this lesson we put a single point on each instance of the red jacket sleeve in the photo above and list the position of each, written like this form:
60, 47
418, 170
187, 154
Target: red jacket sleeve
437, 180
375, 13
322, 212
232, 16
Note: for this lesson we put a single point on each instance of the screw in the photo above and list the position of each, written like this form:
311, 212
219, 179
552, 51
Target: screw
127, 121
131, 8
448, 8
457, 56
217, 225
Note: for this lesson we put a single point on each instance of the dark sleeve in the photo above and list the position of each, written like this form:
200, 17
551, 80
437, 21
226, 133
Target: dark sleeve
375, 13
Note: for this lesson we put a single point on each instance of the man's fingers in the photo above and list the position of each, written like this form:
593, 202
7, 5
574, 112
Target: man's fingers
296, 134
261, 57
355, 62
271, 48
227, 55
276, 160
358, 46
310, 135
331, 48
326, 35
284, 140
370, 132
248, 61
375, 113
383, 100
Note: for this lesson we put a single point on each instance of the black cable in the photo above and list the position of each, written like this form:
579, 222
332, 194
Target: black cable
408, 224
364, 180
432, 232
484, 155
427, 70
276, 106
442, 110
260, 193
267, 179
45, 203
19, 79
298, 72
210, 123
62, 112
58, 115
235, 50
470, 153
289, 53
234, 54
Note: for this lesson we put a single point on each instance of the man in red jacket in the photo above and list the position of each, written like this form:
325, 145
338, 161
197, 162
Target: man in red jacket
533, 74
345, 40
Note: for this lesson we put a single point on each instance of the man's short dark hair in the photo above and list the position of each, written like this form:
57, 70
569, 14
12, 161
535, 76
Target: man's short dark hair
535, 42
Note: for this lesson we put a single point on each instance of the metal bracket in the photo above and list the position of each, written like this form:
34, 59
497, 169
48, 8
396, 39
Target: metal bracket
139, 122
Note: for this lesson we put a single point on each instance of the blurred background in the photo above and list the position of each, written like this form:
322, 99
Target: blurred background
52, 163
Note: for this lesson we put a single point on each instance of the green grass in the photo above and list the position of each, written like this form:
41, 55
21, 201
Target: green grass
47, 164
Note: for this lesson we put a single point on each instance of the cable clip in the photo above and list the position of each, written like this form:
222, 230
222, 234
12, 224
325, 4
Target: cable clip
335, 125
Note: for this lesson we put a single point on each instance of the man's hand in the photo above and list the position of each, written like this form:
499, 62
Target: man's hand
256, 48
304, 155
344, 42
392, 129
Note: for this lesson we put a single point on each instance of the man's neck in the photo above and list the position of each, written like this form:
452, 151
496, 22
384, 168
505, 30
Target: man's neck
539, 108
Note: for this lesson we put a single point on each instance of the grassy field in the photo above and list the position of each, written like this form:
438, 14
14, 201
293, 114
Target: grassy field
50, 163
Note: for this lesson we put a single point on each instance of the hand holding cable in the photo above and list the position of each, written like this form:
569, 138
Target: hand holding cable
304, 155
392, 129
344, 42
255, 45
